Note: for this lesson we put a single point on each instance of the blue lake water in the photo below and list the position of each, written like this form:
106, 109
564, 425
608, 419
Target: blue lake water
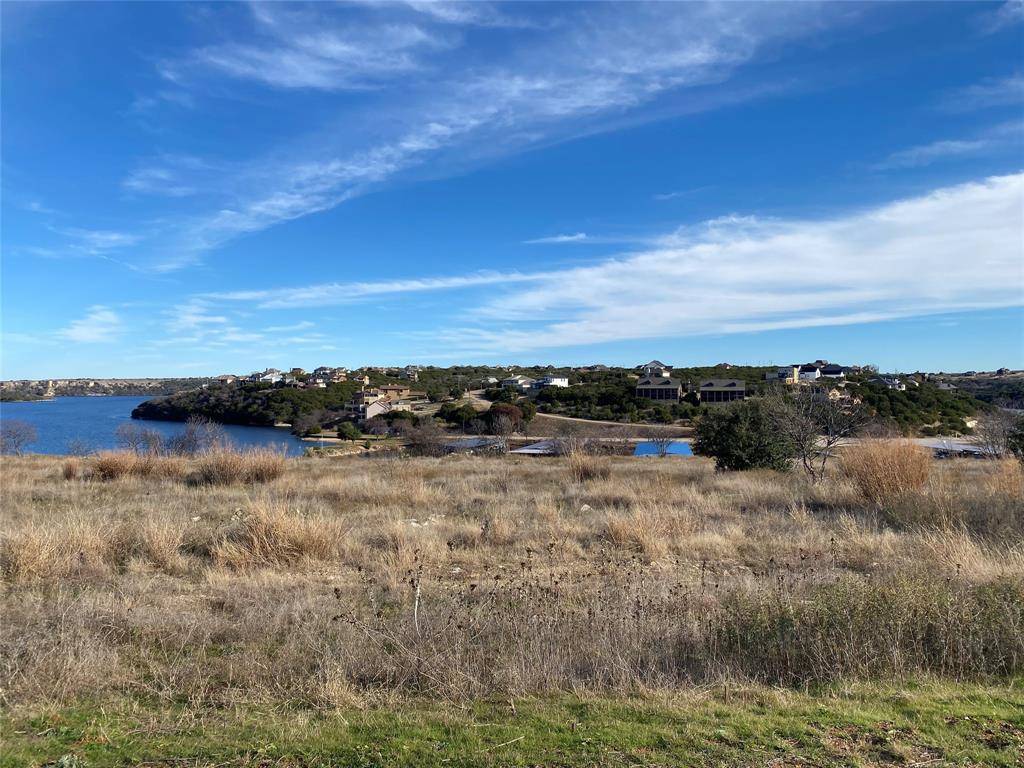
92, 422
674, 449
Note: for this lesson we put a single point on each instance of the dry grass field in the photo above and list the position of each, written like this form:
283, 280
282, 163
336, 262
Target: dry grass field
365, 585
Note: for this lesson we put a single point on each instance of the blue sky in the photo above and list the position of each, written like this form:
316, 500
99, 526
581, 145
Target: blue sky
194, 189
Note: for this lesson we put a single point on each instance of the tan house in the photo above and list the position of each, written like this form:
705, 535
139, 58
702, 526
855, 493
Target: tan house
395, 391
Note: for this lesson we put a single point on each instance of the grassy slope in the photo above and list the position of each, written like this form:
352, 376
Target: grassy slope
933, 724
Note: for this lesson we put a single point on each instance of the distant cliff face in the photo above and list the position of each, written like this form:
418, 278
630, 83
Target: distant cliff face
34, 389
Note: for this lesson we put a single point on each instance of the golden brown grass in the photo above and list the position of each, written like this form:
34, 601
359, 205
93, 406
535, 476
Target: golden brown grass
223, 467
583, 466
886, 469
520, 577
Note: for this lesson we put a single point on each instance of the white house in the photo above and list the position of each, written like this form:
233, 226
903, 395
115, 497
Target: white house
810, 372
656, 369
891, 383
519, 382
833, 371
551, 381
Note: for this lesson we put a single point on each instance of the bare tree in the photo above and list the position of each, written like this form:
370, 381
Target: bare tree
502, 428
661, 441
815, 425
137, 439
570, 440
992, 432
425, 439
200, 436
376, 426
16, 435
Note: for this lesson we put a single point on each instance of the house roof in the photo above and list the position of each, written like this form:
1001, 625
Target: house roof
543, 448
722, 384
654, 364
808, 367
658, 381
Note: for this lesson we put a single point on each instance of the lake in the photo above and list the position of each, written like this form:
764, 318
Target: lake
92, 422
676, 448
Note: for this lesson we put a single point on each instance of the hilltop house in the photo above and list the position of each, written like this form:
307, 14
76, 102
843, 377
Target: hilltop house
519, 382
269, 376
370, 403
659, 387
784, 374
720, 391
395, 391
833, 371
810, 372
891, 383
551, 381
656, 368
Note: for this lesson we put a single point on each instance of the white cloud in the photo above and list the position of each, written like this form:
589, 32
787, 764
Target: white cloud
958, 248
992, 92
325, 294
1009, 13
991, 140
679, 193
300, 326
96, 241
100, 324
304, 47
194, 316
156, 181
596, 64
579, 237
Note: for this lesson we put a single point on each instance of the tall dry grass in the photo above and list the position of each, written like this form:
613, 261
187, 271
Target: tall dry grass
220, 466
256, 465
465, 576
886, 469
583, 466
271, 536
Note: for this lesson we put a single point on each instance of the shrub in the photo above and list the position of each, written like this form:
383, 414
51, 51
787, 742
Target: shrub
224, 467
743, 436
16, 435
886, 469
583, 467
1015, 440
271, 536
72, 468
349, 431
111, 465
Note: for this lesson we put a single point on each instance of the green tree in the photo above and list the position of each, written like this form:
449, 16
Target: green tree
1015, 440
349, 431
743, 436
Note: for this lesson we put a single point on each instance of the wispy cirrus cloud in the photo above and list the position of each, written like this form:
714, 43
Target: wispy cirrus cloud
1009, 13
568, 78
328, 294
743, 274
100, 324
304, 47
991, 92
994, 139
731, 274
679, 193
579, 237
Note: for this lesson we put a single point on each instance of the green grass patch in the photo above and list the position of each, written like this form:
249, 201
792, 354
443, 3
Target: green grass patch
933, 724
